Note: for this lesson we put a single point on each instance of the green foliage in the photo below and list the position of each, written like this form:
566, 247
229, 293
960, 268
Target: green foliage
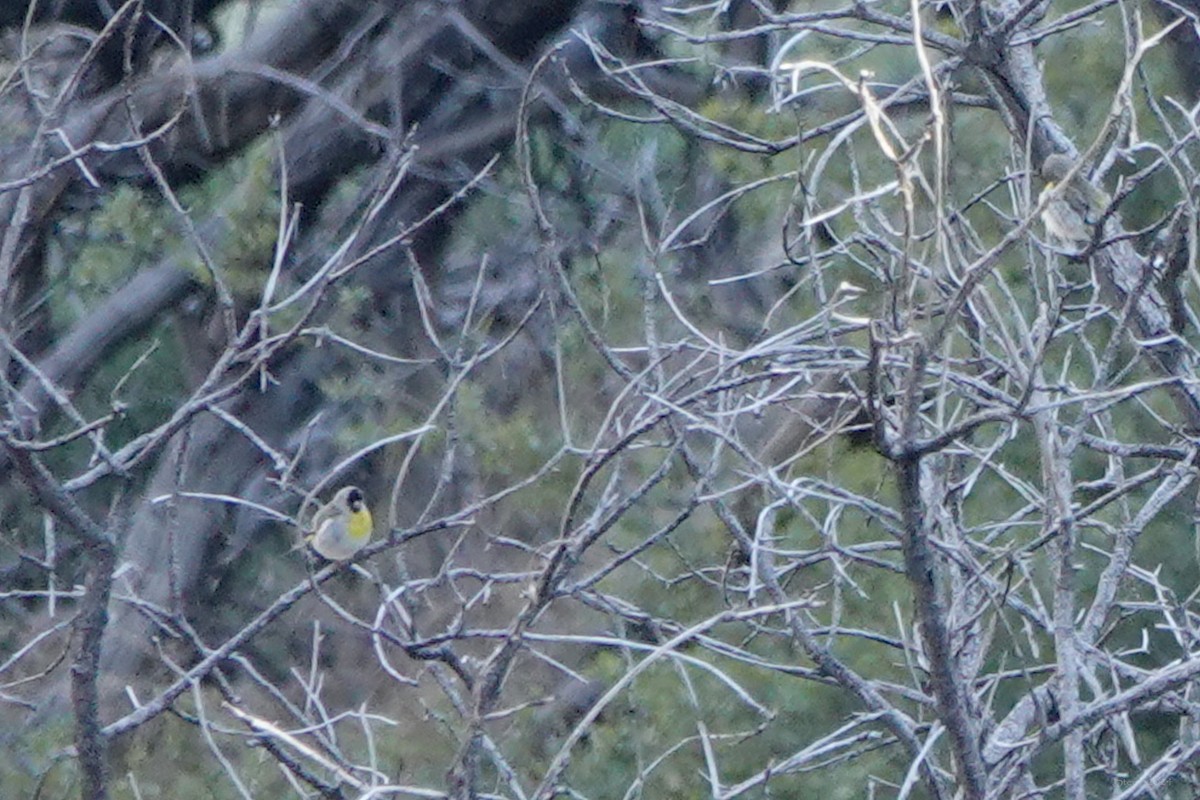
134, 228
514, 444
245, 192
127, 232
1075, 55
360, 391
661, 708
31, 758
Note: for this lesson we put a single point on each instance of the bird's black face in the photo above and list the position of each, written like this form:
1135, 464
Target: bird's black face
356, 500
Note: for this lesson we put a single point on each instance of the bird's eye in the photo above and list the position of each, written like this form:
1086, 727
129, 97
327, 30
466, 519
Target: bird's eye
355, 498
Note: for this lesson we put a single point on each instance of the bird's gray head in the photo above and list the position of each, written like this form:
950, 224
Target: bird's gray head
1056, 167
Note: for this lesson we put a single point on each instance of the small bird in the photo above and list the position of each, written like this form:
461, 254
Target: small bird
342, 526
1071, 216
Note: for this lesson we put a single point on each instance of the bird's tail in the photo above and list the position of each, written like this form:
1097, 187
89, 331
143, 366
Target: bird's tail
305, 541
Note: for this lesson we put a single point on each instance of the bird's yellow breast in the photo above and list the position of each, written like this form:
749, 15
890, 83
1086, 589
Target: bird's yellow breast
360, 524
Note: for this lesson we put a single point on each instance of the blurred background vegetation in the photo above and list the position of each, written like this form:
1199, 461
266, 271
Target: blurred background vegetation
616, 179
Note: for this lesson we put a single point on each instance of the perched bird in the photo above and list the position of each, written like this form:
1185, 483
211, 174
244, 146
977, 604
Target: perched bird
342, 526
1073, 213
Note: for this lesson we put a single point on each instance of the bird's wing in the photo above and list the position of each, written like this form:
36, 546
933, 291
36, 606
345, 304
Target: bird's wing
323, 515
